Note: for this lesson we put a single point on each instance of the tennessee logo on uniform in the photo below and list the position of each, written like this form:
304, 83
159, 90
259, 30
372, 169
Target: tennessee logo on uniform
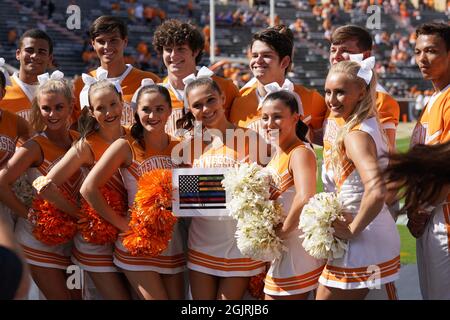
151, 163
7, 148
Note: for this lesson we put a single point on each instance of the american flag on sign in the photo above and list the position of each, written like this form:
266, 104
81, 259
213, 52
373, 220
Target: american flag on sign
201, 191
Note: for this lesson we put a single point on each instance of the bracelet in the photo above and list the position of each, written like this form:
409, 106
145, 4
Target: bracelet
41, 183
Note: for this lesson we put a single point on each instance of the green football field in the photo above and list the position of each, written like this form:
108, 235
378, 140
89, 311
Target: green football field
408, 243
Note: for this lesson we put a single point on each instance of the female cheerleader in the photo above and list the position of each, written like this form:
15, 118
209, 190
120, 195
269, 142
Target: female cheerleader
295, 273
50, 118
354, 146
99, 126
218, 270
149, 147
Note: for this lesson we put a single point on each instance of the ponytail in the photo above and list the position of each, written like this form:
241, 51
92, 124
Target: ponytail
137, 131
186, 122
86, 122
301, 129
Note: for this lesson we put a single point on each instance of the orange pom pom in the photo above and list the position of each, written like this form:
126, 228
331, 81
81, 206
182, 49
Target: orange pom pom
151, 223
256, 285
93, 228
51, 225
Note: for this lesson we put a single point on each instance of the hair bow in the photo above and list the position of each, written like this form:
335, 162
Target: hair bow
45, 77
204, 72
5, 72
287, 86
144, 82
89, 81
365, 71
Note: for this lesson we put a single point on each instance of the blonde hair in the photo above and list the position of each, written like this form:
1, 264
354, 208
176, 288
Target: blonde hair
363, 110
51, 86
86, 121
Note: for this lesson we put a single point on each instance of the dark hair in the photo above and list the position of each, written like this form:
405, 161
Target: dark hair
137, 130
2, 79
301, 129
435, 28
173, 32
108, 25
279, 38
422, 173
37, 34
187, 121
352, 32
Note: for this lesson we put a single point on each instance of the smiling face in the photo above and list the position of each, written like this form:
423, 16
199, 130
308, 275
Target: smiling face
265, 63
34, 56
179, 59
153, 111
206, 104
278, 121
432, 57
55, 110
109, 47
106, 107
342, 94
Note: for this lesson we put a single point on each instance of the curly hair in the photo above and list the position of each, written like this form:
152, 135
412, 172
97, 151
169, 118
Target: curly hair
174, 32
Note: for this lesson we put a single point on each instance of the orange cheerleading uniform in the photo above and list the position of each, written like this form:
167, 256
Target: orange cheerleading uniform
295, 272
8, 140
8, 135
245, 111
93, 257
130, 81
177, 97
433, 246
36, 252
212, 243
171, 260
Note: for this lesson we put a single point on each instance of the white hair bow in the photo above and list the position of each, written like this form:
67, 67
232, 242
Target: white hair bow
204, 72
144, 82
89, 81
287, 86
365, 71
56, 75
5, 72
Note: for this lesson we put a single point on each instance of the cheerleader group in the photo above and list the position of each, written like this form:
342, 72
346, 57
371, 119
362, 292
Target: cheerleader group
117, 123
